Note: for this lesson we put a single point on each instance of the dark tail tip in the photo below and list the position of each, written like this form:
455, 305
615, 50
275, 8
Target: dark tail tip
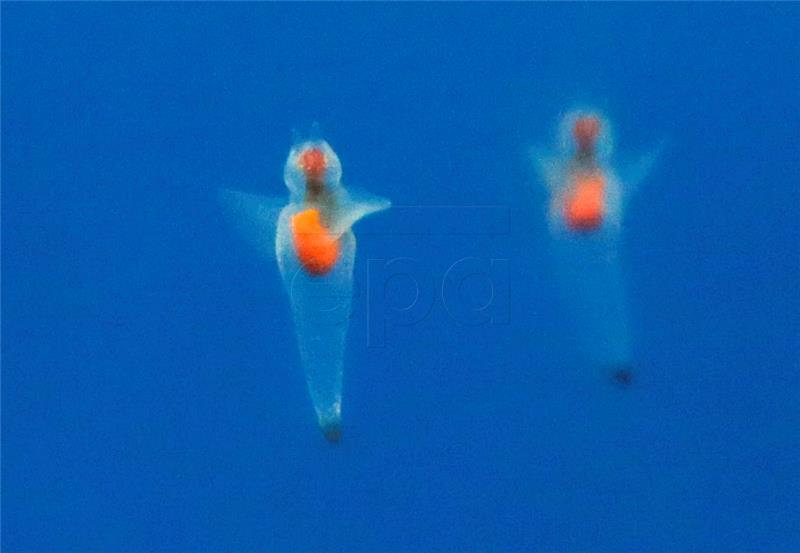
332, 432
622, 375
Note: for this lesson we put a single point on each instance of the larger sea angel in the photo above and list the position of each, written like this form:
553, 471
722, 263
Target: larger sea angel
311, 238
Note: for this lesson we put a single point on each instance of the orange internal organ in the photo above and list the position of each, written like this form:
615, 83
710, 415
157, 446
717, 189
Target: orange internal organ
316, 249
312, 162
585, 204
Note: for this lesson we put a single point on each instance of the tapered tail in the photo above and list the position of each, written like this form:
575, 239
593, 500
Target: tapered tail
331, 426
622, 374
332, 432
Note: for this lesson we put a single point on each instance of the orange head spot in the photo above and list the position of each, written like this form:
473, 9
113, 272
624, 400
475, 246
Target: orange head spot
586, 131
312, 162
585, 205
316, 249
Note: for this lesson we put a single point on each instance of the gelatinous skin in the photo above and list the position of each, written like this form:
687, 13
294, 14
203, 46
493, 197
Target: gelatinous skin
316, 249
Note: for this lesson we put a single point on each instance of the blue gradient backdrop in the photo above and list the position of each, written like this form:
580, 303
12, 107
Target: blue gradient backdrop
151, 393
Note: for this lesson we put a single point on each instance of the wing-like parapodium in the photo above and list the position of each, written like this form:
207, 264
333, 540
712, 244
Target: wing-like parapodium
355, 204
254, 216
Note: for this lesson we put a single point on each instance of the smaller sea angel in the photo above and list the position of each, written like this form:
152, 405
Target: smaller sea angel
585, 214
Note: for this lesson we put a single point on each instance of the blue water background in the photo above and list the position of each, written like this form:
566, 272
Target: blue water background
152, 398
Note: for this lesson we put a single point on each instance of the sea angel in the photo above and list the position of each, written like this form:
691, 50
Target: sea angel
587, 201
311, 237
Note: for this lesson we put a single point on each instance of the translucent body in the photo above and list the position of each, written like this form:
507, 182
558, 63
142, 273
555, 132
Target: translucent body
321, 306
590, 273
586, 245
320, 299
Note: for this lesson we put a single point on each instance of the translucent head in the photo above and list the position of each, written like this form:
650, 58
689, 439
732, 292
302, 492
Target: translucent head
313, 159
586, 131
